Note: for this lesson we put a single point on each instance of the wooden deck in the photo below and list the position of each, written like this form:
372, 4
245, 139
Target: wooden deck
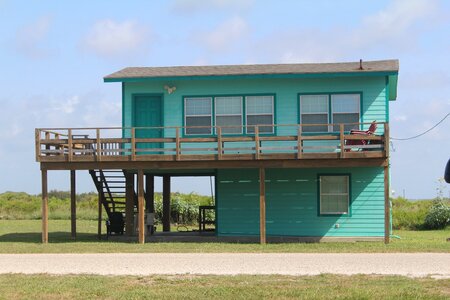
83, 148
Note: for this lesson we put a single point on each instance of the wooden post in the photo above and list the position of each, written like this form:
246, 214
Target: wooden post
133, 144
262, 205
37, 137
166, 203
177, 144
99, 228
47, 145
141, 215
73, 205
44, 207
99, 146
387, 213
150, 193
342, 140
386, 139
219, 143
299, 142
256, 142
70, 148
129, 204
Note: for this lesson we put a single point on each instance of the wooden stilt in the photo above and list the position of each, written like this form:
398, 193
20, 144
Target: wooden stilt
262, 205
150, 193
129, 204
387, 208
99, 229
44, 207
73, 205
141, 206
166, 203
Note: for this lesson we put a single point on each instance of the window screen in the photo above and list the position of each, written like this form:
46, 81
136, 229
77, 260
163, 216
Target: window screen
259, 112
334, 194
345, 108
314, 110
229, 113
198, 112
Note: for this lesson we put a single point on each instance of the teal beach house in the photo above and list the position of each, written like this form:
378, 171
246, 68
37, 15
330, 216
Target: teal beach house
298, 151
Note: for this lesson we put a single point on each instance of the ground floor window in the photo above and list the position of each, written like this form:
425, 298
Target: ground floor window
334, 198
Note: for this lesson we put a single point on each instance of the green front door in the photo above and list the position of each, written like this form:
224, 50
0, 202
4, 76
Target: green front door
147, 112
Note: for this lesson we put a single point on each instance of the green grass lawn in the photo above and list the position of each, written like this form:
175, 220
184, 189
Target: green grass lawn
221, 287
23, 236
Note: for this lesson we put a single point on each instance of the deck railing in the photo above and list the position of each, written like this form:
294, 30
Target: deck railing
295, 141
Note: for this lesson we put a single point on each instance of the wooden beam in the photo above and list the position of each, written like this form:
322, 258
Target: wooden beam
387, 213
141, 210
342, 140
73, 205
44, 207
129, 204
166, 203
99, 220
262, 205
150, 193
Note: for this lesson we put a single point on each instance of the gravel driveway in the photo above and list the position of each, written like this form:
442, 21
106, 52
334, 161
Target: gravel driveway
407, 264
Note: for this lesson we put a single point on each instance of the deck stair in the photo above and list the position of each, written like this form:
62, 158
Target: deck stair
111, 187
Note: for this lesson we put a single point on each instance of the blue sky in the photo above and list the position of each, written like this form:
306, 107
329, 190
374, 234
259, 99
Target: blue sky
53, 55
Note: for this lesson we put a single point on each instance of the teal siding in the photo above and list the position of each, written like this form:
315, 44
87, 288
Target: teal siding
373, 89
292, 203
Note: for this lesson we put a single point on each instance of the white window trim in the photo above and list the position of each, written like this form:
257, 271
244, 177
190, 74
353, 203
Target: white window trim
330, 113
338, 194
272, 114
185, 116
228, 115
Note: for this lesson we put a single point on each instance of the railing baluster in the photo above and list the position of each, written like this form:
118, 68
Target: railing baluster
133, 144
219, 143
37, 137
47, 145
257, 142
341, 137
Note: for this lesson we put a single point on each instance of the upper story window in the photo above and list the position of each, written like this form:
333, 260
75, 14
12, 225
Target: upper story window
229, 113
198, 112
259, 112
329, 109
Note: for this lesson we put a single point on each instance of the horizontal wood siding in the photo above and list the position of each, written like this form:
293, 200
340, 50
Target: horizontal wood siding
286, 95
292, 203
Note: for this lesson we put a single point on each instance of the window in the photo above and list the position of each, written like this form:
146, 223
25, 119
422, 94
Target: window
330, 108
334, 195
345, 108
198, 112
259, 111
229, 113
314, 110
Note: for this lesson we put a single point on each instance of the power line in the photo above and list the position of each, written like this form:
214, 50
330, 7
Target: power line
416, 136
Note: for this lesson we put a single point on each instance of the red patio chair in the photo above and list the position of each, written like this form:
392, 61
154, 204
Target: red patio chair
370, 131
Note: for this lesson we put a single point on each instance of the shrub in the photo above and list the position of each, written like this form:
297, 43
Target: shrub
438, 216
409, 215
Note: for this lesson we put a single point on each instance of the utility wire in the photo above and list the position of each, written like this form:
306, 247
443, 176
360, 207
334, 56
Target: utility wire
416, 136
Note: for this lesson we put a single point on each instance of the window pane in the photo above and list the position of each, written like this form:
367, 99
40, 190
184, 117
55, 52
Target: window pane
334, 194
260, 120
198, 106
315, 119
346, 118
313, 104
228, 105
259, 104
198, 121
348, 103
227, 121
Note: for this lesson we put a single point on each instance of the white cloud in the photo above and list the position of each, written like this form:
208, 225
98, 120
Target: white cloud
108, 38
192, 6
225, 36
29, 39
400, 118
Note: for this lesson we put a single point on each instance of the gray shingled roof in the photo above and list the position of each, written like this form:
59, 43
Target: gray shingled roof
309, 68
